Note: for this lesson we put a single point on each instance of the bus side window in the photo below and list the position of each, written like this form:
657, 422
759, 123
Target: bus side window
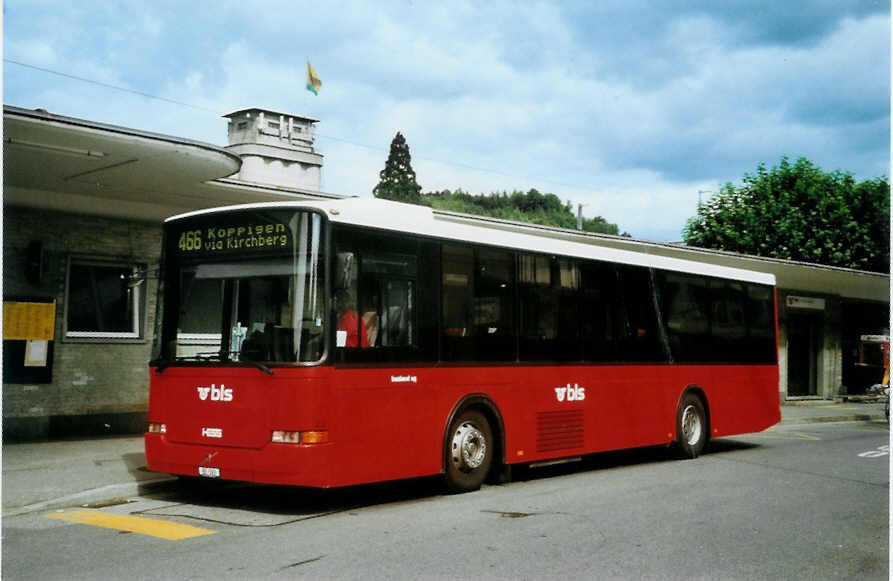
387, 299
494, 330
637, 333
760, 313
538, 307
349, 331
599, 311
457, 263
549, 308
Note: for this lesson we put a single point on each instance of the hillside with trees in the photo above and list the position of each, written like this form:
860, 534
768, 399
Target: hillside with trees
799, 212
531, 206
397, 182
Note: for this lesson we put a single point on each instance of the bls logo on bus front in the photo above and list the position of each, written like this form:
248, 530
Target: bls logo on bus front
568, 393
221, 393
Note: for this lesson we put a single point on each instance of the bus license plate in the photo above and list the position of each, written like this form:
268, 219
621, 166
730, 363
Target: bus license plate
209, 472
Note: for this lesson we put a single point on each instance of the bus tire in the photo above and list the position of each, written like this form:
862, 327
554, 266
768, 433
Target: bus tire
469, 451
691, 427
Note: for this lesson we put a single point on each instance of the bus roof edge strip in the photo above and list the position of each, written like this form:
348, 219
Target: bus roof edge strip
422, 220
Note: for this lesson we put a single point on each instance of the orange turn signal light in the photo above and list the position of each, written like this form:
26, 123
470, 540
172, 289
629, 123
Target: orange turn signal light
293, 437
314, 437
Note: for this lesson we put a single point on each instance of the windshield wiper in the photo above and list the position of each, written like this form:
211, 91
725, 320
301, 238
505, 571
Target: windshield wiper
243, 359
163, 364
257, 364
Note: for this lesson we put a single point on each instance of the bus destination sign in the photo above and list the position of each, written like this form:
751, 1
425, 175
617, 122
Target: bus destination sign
244, 237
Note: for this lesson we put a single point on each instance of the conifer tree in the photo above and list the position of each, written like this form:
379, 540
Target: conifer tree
397, 179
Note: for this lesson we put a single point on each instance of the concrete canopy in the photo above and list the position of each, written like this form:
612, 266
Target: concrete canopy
61, 163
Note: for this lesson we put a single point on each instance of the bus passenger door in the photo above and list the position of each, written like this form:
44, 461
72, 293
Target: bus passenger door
380, 393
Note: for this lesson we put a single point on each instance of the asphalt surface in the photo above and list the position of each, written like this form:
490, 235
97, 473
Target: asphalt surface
797, 501
59, 474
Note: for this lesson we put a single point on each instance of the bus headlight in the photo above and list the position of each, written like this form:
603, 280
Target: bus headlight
284, 437
157, 428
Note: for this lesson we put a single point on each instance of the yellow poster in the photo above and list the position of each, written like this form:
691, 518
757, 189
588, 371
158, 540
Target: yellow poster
28, 321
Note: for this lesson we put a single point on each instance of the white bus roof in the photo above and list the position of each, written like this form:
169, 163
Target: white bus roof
423, 221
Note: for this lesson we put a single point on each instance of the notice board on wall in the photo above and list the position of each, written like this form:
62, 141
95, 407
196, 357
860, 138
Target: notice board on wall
28, 333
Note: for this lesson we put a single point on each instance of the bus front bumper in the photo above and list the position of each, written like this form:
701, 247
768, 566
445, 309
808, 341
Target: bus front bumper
289, 464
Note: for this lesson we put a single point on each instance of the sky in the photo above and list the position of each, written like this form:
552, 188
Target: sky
634, 109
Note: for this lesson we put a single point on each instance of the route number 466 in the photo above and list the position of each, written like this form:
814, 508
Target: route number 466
191, 240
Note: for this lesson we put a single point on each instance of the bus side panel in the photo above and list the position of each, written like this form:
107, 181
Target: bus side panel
572, 410
387, 424
391, 423
628, 406
743, 399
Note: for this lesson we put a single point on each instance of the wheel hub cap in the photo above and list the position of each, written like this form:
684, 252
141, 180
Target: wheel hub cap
691, 425
469, 447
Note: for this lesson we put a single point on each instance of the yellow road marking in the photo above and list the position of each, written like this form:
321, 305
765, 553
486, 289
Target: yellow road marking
134, 524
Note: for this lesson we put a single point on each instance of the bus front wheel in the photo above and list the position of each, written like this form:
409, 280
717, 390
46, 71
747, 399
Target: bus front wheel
469, 451
691, 426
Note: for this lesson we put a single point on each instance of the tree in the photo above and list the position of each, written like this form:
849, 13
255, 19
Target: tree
397, 179
799, 212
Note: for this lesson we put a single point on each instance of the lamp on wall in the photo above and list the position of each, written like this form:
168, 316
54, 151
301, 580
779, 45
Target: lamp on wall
140, 275
136, 278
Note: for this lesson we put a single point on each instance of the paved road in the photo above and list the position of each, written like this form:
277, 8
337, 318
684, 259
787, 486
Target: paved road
795, 502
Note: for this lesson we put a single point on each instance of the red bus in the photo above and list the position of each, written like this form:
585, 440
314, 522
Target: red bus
335, 343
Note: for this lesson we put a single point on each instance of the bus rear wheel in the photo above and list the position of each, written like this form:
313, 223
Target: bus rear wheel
469, 451
691, 427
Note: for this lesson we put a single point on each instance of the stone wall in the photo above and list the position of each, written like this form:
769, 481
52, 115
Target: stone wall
98, 385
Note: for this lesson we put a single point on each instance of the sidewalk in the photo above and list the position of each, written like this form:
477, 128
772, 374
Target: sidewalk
42, 476
45, 475
807, 412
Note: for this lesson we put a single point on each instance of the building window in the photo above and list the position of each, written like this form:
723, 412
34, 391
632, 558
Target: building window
104, 299
243, 125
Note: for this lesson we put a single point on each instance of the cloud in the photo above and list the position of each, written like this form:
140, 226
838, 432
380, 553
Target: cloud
630, 107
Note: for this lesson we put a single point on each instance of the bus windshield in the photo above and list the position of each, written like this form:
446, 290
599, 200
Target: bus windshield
246, 289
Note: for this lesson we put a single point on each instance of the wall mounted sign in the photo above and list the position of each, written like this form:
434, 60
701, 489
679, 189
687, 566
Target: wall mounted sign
28, 331
24, 321
805, 303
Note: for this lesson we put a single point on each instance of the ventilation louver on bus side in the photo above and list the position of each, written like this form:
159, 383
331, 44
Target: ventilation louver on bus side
561, 430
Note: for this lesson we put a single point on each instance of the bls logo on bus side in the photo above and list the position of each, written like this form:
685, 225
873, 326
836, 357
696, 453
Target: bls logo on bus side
568, 393
221, 393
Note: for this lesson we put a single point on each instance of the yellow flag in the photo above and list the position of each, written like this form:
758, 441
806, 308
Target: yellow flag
313, 82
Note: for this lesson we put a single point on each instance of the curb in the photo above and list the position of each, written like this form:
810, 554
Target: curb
101, 494
825, 419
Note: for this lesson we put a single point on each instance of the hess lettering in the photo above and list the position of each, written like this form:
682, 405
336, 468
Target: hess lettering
568, 393
221, 393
